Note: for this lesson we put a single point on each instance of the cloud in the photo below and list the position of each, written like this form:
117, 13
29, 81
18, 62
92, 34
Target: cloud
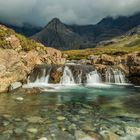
40, 12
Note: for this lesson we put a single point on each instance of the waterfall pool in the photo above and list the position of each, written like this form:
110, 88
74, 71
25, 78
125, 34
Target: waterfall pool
76, 112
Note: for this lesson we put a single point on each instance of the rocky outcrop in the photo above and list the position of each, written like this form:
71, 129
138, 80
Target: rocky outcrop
20, 55
12, 69
129, 64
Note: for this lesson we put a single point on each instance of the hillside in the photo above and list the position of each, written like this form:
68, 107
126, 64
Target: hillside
127, 43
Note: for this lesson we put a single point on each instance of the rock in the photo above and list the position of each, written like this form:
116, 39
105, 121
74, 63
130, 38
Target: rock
56, 74
15, 85
32, 130
79, 135
60, 118
83, 111
35, 119
18, 131
14, 69
132, 130
43, 138
5, 123
10, 132
109, 135
19, 98
17, 119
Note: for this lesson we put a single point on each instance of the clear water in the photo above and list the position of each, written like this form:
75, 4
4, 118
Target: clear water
99, 107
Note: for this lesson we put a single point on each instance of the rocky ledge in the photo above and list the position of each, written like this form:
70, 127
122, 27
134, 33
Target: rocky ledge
128, 63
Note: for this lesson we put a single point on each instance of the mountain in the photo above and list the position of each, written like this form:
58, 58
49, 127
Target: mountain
56, 34
107, 28
67, 37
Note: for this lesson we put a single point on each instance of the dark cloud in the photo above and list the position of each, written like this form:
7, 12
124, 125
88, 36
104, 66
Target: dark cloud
39, 12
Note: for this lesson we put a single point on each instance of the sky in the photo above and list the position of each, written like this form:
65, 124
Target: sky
40, 12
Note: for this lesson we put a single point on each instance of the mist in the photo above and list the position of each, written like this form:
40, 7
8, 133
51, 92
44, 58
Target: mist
40, 12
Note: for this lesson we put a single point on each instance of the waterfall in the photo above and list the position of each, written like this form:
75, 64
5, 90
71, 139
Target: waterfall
40, 75
119, 76
115, 76
47, 75
93, 77
67, 77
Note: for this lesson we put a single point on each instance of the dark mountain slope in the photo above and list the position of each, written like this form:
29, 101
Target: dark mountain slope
58, 35
66, 37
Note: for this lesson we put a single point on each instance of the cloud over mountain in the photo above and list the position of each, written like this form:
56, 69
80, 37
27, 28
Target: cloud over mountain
39, 12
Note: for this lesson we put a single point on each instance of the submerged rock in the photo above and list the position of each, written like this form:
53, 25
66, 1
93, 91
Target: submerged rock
15, 85
35, 119
82, 136
43, 138
32, 130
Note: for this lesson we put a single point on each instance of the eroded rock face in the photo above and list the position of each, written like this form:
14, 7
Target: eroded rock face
12, 69
129, 64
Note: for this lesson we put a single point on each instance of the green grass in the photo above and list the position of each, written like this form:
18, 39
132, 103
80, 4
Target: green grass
83, 54
26, 43
121, 45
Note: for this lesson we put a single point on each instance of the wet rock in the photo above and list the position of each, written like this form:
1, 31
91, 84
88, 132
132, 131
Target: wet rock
109, 135
72, 127
79, 135
18, 131
7, 134
60, 118
15, 85
43, 138
19, 98
35, 119
132, 130
32, 130
17, 119
83, 111
5, 123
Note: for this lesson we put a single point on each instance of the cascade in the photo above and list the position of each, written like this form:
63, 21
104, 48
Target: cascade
93, 77
73, 75
115, 76
40, 75
67, 77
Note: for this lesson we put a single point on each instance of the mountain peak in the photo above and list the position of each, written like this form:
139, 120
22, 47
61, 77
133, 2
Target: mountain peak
55, 21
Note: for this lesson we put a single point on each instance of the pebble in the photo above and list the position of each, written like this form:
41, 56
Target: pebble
60, 118
6, 123
43, 138
32, 130
19, 98
35, 119
18, 131
80, 135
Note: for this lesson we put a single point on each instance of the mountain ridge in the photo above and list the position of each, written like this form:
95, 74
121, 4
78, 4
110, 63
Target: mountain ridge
67, 37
